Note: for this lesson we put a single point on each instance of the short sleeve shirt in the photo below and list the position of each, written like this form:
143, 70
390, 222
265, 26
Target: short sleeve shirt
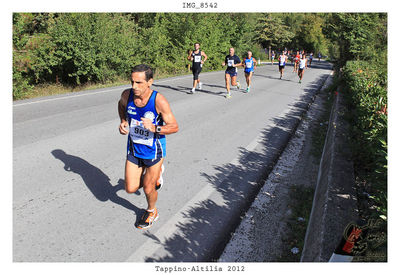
230, 61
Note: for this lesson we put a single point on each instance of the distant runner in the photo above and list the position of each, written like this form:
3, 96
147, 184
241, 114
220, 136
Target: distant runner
302, 66
296, 62
310, 58
272, 57
231, 61
249, 64
282, 63
147, 117
196, 57
291, 56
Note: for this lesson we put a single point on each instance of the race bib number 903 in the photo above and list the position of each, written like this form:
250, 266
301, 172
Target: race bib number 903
139, 134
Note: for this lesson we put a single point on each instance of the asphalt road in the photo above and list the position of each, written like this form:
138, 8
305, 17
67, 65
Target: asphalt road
69, 202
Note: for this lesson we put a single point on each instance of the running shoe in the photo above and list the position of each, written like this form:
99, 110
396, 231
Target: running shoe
147, 219
160, 181
200, 85
238, 85
228, 95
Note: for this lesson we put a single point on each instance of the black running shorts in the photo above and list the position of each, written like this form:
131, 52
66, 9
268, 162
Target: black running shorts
196, 71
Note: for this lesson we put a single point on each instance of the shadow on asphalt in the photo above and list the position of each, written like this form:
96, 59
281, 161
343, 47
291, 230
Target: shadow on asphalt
209, 225
178, 88
273, 77
187, 90
96, 181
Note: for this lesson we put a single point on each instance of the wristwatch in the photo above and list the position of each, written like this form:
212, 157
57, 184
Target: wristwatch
158, 129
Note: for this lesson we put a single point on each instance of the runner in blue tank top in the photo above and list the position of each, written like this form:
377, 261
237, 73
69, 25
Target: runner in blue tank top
249, 64
147, 117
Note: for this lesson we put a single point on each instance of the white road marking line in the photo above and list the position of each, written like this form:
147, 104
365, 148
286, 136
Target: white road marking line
94, 93
65, 97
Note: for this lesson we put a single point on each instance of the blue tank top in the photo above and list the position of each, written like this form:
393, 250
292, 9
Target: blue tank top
143, 143
249, 65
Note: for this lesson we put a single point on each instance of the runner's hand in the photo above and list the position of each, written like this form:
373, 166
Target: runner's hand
148, 124
124, 128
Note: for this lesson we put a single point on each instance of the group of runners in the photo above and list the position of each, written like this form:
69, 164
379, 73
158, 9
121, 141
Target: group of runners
232, 61
300, 63
146, 117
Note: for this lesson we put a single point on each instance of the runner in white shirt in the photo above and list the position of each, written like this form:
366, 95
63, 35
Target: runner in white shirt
302, 66
282, 62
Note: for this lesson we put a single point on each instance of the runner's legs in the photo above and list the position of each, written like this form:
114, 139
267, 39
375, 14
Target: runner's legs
247, 76
233, 80
227, 80
149, 180
133, 174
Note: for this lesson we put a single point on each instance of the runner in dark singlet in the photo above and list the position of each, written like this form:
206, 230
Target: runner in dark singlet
196, 57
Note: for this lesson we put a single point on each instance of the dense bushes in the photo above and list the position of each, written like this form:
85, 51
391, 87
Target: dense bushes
70, 49
367, 93
359, 43
76, 48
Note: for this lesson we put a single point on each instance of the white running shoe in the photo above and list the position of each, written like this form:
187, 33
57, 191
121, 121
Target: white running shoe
200, 85
238, 85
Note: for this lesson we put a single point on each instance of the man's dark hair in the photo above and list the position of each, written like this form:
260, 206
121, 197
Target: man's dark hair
143, 68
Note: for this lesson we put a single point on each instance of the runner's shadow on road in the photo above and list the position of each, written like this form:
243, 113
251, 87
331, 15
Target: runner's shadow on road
220, 93
273, 77
95, 180
178, 88
187, 90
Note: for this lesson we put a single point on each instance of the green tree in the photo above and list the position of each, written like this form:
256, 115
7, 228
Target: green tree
310, 33
32, 51
358, 35
271, 31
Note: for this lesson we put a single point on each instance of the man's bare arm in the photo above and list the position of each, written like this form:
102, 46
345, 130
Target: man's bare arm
162, 106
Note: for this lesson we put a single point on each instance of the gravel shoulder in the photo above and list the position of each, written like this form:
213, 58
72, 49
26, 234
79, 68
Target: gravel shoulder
261, 235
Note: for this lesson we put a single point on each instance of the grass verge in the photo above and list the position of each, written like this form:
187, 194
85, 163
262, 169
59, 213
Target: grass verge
301, 198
